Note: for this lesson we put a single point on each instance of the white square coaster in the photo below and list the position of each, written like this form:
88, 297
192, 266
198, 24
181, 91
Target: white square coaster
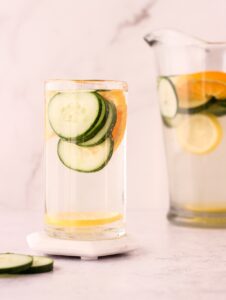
87, 250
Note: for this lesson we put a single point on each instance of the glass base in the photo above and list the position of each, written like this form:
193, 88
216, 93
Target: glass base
184, 217
87, 233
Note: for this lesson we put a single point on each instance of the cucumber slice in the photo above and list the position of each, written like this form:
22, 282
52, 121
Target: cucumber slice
40, 264
221, 102
85, 159
167, 97
218, 108
106, 130
98, 126
14, 263
213, 106
73, 114
197, 109
173, 122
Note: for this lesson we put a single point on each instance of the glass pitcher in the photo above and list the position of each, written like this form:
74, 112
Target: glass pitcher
192, 96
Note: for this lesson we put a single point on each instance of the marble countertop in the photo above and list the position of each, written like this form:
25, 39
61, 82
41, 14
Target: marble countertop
171, 263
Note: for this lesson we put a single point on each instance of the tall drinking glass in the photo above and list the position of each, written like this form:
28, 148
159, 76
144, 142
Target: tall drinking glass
192, 97
85, 193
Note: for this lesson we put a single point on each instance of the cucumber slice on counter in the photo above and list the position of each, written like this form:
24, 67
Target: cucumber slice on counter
14, 263
40, 264
106, 130
85, 159
73, 114
167, 97
99, 124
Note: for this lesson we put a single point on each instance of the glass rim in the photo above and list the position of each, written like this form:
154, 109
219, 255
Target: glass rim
55, 84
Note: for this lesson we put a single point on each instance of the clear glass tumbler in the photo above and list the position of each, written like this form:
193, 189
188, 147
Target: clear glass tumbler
85, 191
192, 96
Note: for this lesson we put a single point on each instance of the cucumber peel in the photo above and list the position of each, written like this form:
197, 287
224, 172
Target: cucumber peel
106, 130
13, 263
98, 125
40, 264
167, 97
85, 159
213, 106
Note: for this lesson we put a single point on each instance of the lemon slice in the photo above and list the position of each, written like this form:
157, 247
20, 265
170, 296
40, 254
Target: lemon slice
200, 133
77, 219
207, 207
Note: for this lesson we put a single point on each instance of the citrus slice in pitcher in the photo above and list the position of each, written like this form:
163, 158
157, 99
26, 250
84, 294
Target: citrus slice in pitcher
167, 98
209, 76
199, 133
195, 90
118, 98
49, 133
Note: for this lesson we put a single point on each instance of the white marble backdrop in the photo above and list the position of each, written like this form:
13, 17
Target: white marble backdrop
87, 39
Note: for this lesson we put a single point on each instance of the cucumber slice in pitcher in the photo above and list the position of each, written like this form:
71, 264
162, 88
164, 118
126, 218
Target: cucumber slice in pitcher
167, 98
14, 263
198, 109
213, 106
173, 122
217, 110
106, 130
85, 159
73, 114
40, 264
221, 102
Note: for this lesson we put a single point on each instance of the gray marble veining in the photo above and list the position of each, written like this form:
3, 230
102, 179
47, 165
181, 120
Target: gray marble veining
73, 39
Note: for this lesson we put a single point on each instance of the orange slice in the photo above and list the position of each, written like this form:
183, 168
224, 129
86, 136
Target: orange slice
196, 89
119, 99
71, 219
209, 76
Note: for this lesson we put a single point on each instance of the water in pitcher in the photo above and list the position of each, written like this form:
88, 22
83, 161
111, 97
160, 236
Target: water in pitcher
193, 109
192, 97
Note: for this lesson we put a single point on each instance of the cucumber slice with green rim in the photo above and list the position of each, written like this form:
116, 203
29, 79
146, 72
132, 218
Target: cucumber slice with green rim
85, 159
197, 109
167, 98
213, 106
218, 108
173, 122
40, 264
221, 102
14, 263
73, 114
99, 125
106, 130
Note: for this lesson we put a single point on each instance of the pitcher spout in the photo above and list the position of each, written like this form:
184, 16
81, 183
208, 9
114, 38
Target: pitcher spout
172, 38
